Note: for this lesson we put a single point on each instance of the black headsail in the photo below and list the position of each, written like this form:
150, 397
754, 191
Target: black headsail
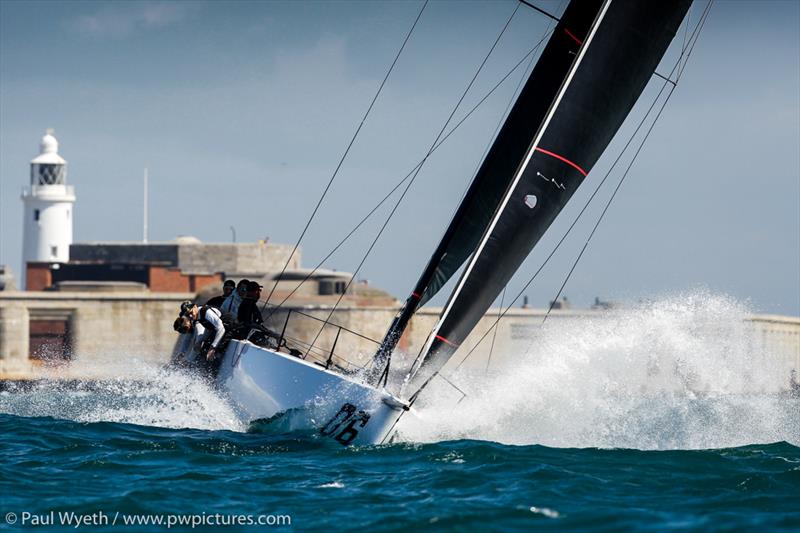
498, 168
594, 68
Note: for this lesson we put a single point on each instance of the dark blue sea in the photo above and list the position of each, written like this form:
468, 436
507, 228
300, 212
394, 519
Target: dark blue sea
122, 470
668, 417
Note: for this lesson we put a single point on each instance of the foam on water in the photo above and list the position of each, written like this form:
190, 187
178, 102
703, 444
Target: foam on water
148, 395
683, 372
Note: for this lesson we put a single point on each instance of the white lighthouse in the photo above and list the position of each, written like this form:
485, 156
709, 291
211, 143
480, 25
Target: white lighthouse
48, 207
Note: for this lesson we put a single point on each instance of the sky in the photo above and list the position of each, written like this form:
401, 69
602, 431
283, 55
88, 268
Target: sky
241, 111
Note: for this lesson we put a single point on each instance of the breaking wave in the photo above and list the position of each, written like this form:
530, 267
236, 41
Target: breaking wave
149, 395
684, 372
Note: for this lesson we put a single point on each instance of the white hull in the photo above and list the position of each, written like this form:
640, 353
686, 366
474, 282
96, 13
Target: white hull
297, 395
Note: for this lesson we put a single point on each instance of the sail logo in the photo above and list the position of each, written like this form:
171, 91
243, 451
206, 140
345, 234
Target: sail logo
530, 200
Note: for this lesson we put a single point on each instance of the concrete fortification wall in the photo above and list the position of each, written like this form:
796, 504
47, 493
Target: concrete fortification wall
138, 326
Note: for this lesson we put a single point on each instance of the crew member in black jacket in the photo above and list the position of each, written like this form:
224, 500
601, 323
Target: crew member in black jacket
249, 313
227, 289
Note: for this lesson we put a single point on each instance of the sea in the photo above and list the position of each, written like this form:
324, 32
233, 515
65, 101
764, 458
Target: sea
665, 416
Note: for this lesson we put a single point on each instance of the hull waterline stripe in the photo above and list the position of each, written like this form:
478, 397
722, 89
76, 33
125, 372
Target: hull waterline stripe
564, 159
513, 186
572, 36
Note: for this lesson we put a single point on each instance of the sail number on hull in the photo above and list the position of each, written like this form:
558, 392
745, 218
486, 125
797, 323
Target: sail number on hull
345, 424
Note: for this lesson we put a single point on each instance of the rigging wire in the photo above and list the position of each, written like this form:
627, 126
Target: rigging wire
525, 75
486, 151
540, 10
692, 40
627, 170
497, 129
686, 26
419, 168
494, 336
502, 119
677, 67
344, 155
308, 276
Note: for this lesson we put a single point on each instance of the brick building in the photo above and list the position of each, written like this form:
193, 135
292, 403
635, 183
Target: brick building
183, 265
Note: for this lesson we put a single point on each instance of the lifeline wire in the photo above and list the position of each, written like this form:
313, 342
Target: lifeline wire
341, 161
416, 173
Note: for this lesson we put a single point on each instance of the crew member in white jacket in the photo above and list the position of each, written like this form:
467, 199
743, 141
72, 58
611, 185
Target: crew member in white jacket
210, 320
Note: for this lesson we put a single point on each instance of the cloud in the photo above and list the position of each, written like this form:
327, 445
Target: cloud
124, 19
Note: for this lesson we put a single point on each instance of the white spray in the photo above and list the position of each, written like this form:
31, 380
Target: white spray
147, 395
683, 372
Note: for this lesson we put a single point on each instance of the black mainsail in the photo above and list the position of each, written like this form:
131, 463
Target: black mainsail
592, 71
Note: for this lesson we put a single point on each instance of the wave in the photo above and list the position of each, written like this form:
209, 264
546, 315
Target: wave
148, 395
683, 372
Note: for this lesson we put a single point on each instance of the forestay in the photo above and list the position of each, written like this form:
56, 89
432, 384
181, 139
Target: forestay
592, 71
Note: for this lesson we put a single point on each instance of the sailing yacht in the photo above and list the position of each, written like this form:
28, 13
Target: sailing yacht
595, 65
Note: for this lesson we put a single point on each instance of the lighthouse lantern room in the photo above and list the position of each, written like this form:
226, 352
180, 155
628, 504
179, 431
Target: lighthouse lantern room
48, 207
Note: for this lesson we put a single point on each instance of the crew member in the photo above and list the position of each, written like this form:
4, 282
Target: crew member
227, 289
214, 336
249, 313
251, 323
232, 302
184, 352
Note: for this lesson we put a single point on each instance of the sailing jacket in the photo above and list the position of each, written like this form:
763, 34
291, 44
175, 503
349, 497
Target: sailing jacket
231, 303
216, 301
210, 318
249, 313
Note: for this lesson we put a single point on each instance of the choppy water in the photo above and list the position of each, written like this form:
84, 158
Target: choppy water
666, 416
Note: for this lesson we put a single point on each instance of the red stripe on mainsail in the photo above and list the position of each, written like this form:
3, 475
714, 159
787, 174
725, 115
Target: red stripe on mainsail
446, 341
572, 36
564, 159
415, 295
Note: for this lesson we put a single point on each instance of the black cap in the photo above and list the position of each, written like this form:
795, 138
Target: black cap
253, 286
243, 282
185, 306
229, 283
